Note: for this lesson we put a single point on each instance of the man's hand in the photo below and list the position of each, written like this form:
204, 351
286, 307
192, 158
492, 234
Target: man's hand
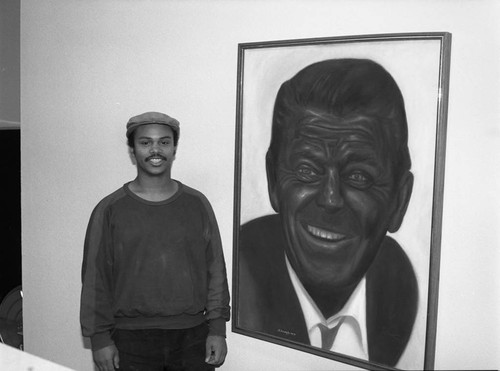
107, 358
216, 350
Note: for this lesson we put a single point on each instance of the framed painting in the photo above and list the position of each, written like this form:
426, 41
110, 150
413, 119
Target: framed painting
339, 174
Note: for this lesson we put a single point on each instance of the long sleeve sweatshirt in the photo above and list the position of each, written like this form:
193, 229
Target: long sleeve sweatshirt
152, 265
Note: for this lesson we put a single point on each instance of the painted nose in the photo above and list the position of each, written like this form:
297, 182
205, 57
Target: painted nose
330, 197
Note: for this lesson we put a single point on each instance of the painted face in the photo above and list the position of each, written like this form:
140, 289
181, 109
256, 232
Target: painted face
336, 194
154, 149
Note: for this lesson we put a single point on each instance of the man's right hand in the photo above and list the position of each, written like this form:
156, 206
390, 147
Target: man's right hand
107, 358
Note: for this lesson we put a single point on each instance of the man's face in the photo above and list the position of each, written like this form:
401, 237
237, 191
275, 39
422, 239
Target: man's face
154, 149
337, 197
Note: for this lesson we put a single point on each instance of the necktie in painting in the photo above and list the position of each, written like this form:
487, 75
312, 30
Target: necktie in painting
328, 335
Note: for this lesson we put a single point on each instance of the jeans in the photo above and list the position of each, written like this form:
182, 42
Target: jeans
163, 350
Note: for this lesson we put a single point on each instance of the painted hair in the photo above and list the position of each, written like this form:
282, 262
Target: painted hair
344, 88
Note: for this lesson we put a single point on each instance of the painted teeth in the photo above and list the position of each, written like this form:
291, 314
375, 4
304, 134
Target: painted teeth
326, 235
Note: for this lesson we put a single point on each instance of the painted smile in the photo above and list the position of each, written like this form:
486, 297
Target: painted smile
325, 234
319, 238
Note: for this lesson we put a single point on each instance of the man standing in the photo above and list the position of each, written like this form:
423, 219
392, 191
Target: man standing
322, 271
155, 293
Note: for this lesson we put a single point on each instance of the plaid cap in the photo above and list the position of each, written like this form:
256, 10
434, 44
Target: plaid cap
152, 118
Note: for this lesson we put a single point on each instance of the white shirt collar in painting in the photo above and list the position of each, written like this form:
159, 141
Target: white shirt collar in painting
351, 338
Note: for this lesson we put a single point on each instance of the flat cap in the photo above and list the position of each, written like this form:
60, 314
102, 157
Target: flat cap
152, 118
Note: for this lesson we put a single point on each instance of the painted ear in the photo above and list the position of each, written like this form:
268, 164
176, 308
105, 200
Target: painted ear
402, 201
272, 181
131, 154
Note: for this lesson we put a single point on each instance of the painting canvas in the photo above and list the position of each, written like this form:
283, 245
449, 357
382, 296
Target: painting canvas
339, 173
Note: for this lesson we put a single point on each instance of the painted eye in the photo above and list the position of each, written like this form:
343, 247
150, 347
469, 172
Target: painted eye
359, 179
306, 173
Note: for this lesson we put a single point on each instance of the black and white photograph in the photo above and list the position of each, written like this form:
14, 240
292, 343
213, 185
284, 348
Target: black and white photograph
245, 185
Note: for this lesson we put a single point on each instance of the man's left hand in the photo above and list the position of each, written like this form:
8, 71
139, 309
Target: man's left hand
216, 350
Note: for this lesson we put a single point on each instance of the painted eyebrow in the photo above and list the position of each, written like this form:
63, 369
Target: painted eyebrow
367, 157
349, 149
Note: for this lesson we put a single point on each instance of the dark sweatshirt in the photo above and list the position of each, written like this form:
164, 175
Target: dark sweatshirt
152, 265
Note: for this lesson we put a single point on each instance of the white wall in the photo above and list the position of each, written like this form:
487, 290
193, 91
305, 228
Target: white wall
87, 66
9, 64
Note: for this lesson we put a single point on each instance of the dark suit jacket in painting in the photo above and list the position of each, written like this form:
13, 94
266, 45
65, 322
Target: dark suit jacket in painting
267, 302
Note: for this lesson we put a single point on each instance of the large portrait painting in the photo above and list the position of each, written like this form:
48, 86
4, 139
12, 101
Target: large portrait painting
340, 151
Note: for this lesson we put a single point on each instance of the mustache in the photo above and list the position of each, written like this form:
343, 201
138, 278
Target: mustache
156, 156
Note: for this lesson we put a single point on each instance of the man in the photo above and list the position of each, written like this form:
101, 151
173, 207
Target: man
322, 272
155, 292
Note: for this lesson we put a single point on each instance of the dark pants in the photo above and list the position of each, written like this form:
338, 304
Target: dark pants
163, 350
